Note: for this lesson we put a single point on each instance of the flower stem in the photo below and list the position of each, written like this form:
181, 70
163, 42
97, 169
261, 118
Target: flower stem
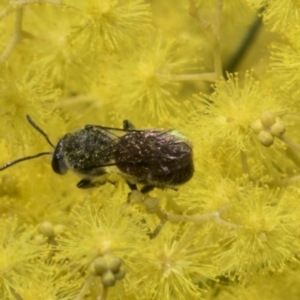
85, 287
104, 293
244, 162
285, 181
290, 143
201, 219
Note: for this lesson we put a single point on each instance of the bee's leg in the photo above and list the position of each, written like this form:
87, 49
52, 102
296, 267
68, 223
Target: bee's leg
132, 186
127, 125
87, 184
153, 207
147, 188
144, 190
151, 204
158, 228
111, 182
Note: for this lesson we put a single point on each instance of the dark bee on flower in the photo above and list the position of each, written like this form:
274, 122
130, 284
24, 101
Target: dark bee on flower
152, 157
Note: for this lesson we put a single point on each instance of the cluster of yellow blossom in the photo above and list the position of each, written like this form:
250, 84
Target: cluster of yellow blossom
233, 230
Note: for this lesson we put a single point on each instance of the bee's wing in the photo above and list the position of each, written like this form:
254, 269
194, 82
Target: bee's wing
104, 155
157, 147
103, 142
138, 150
128, 127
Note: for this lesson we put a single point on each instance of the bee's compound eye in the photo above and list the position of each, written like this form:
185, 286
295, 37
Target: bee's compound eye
58, 164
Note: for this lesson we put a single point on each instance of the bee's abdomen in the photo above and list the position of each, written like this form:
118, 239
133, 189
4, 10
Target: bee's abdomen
155, 157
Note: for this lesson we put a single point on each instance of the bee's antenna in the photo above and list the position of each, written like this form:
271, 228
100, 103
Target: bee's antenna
11, 163
40, 131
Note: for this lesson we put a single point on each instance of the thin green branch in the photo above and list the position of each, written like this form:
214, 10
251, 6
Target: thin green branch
153, 207
216, 40
198, 220
212, 33
17, 4
245, 45
16, 37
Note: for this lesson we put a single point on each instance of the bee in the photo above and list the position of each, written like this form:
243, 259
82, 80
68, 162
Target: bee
154, 158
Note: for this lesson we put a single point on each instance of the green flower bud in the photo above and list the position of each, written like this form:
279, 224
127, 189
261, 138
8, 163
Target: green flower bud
256, 126
121, 273
100, 266
278, 129
152, 205
266, 138
135, 197
40, 239
59, 229
47, 229
108, 279
113, 262
92, 270
267, 119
